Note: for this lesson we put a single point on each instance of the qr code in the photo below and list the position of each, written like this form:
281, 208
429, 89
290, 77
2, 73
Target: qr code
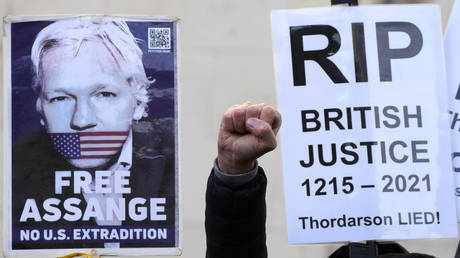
159, 38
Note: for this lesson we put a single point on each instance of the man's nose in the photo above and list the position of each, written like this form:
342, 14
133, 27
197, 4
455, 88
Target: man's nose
83, 116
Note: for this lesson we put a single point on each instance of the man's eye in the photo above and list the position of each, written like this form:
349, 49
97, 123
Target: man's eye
106, 94
59, 98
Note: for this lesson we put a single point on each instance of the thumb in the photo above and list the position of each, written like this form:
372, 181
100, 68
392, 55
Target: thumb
263, 131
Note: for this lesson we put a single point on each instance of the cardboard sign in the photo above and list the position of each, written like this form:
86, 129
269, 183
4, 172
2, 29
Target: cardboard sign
91, 136
451, 43
365, 142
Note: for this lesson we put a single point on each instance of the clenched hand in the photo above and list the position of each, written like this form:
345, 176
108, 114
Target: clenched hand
247, 131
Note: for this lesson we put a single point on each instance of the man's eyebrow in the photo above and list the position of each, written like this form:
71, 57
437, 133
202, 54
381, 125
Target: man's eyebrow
99, 87
58, 90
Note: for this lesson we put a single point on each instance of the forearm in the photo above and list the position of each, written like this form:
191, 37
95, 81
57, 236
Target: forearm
235, 218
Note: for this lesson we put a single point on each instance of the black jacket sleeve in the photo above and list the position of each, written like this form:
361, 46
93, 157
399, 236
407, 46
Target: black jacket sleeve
235, 218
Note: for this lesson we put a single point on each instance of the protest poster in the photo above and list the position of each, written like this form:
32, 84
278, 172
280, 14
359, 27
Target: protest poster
452, 40
365, 138
91, 135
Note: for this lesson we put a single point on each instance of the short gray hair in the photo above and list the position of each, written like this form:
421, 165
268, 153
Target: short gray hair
112, 32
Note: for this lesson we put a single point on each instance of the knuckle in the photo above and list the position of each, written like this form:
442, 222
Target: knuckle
226, 116
269, 109
252, 107
272, 144
239, 114
264, 130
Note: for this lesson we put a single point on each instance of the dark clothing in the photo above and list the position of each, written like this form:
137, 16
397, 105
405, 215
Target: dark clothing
235, 224
375, 249
457, 253
235, 219
33, 177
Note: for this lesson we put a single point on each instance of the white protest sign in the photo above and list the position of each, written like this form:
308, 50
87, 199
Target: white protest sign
365, 138
452, 41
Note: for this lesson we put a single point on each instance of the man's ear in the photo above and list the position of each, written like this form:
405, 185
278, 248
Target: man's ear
138, 112
38, 108
38, 105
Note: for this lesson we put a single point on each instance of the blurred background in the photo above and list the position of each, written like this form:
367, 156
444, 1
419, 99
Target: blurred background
225, 58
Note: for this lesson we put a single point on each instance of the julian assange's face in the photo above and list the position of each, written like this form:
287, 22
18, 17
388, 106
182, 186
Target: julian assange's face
85, 93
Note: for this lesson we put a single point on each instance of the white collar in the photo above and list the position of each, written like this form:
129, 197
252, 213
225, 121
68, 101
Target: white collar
124, 162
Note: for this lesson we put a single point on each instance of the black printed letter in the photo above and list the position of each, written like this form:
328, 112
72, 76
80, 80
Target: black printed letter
383, 45
319, 56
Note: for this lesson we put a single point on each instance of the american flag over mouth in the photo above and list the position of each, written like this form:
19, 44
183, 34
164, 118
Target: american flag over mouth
89, 145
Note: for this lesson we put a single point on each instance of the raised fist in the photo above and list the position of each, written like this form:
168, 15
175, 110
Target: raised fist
247, 131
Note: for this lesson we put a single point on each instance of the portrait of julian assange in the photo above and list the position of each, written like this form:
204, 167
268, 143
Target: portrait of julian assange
93, 133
